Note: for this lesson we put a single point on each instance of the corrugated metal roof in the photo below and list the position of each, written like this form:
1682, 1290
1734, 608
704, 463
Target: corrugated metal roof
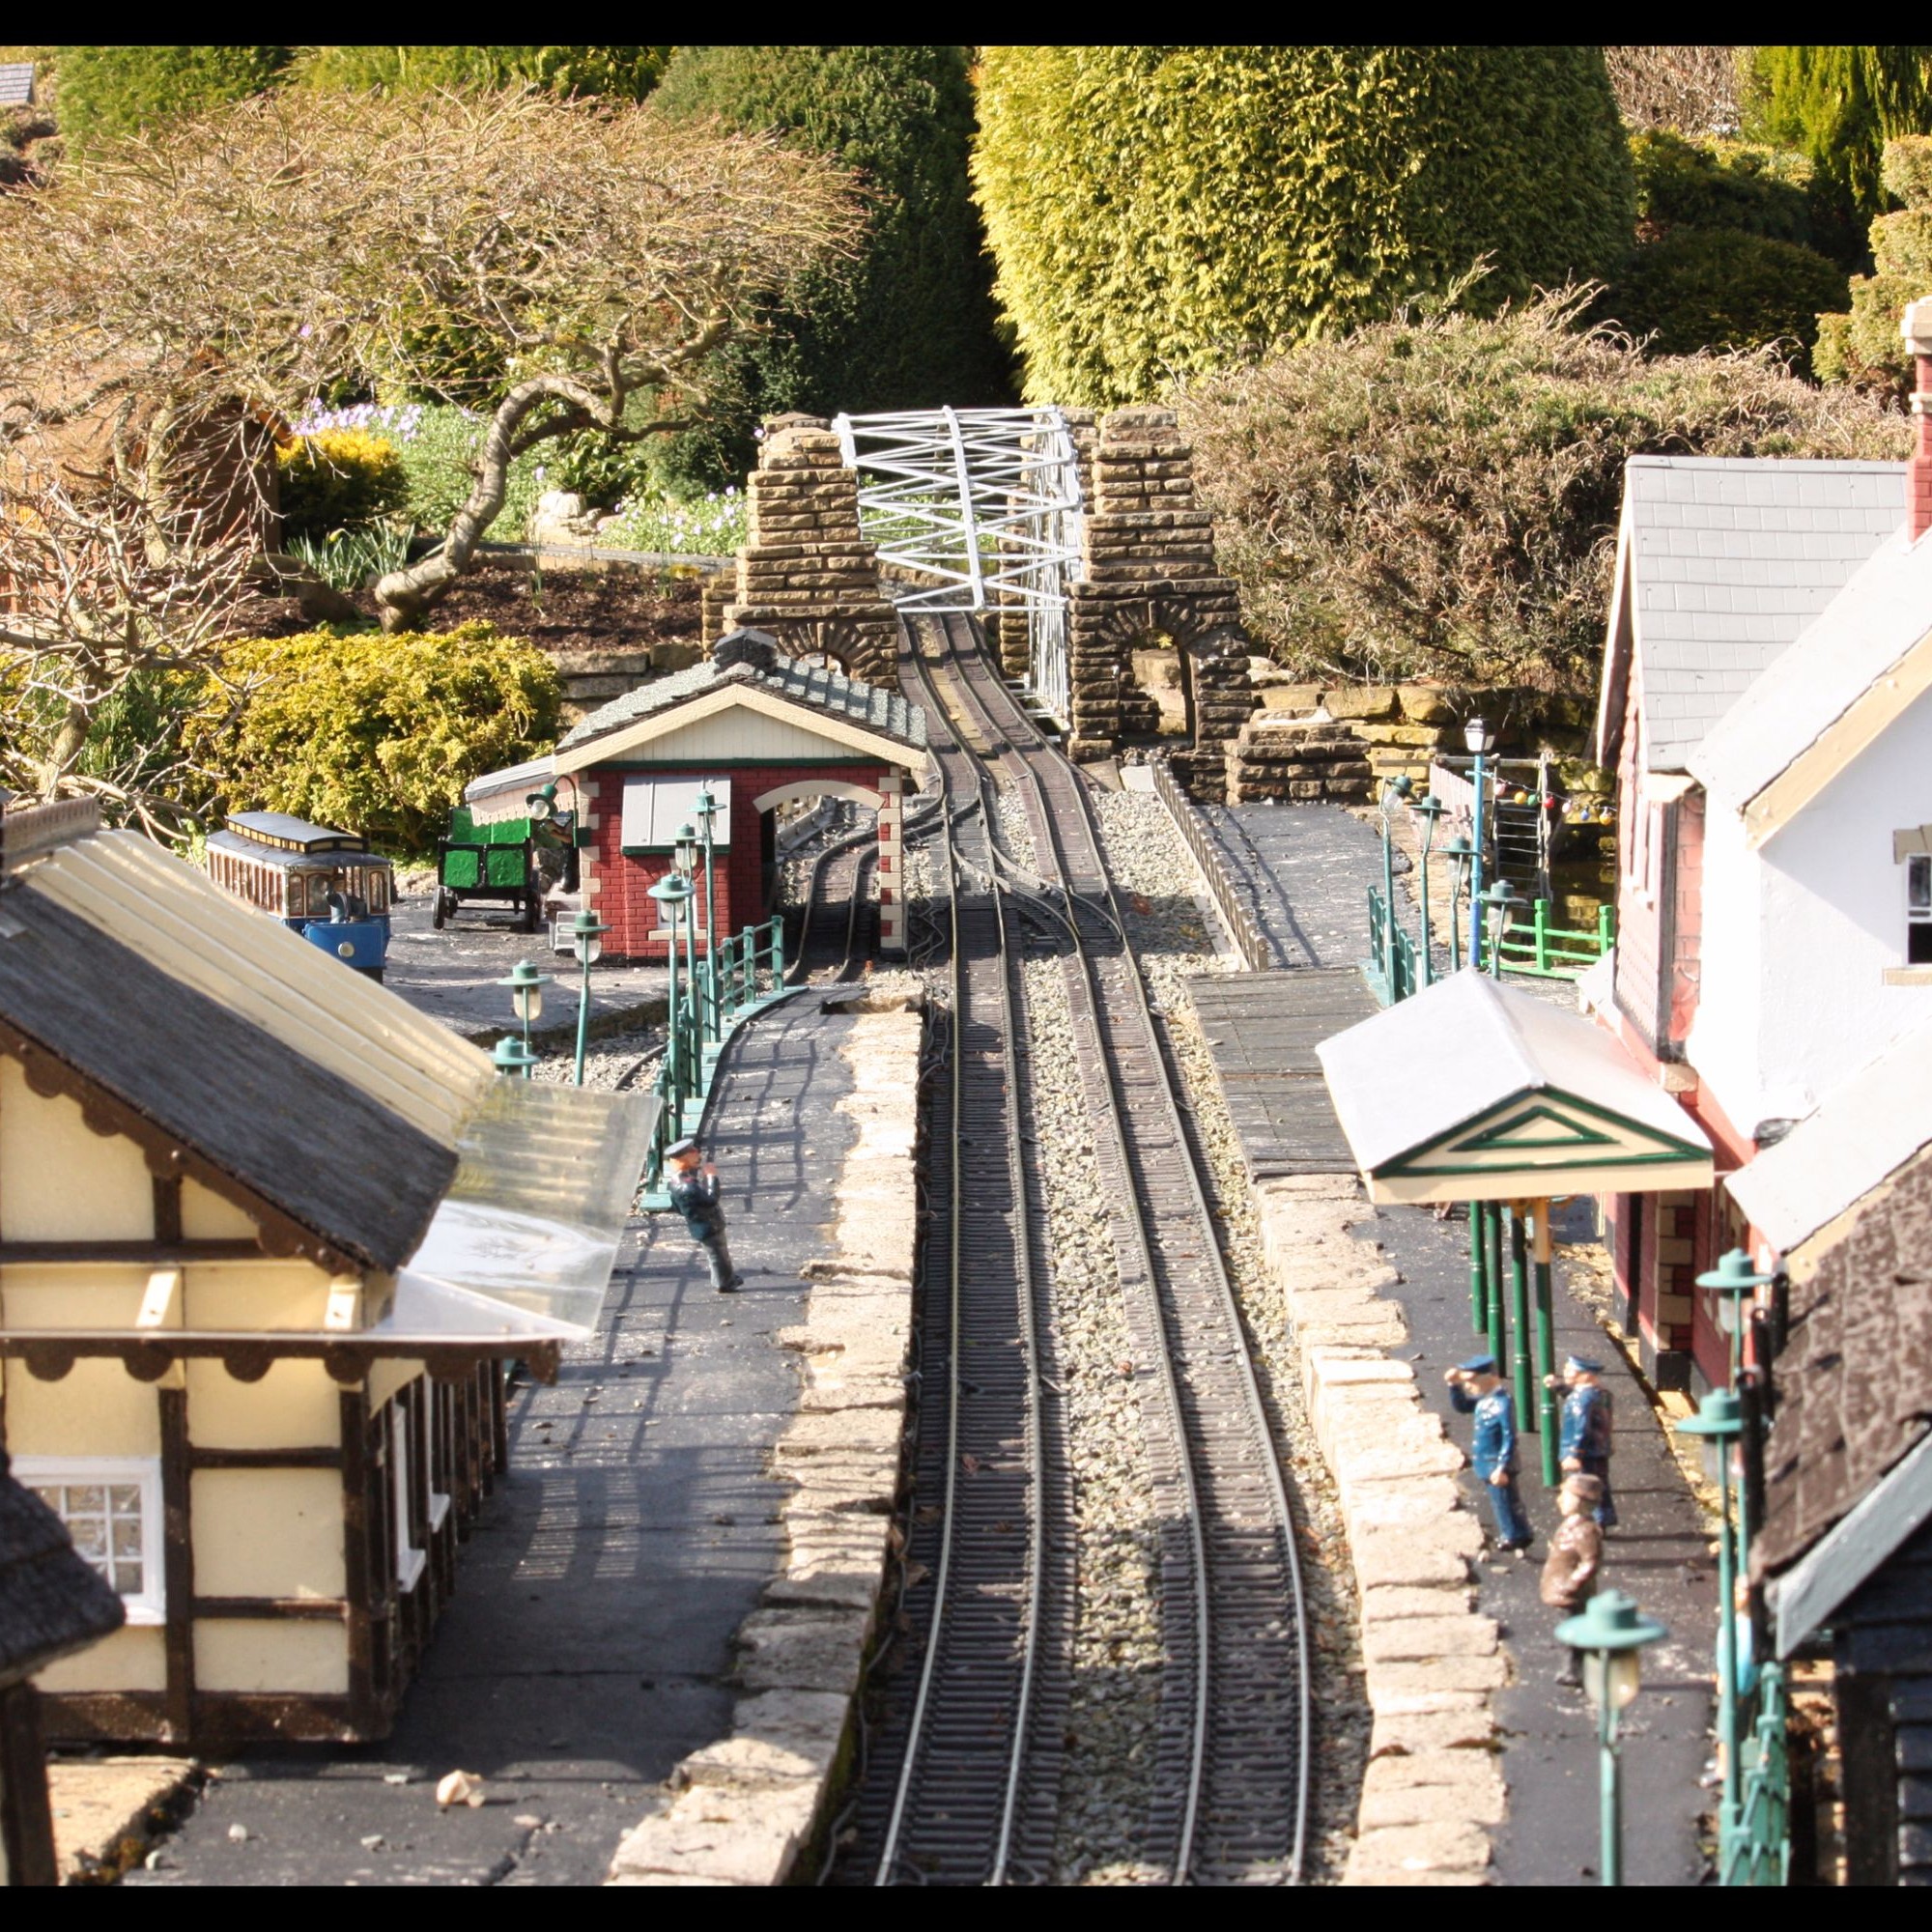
1867, 628
1869, 1127
1729, 558
869, 705
1427, 1066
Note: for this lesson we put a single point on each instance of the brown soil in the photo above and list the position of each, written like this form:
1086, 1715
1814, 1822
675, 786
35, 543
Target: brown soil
564, 611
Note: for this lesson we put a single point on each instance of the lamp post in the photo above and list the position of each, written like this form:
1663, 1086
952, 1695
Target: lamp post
526, 984
707, 813
1610, 1633
1733, 1280
540, 806
513, 1057
1429, 809
671, 892
586, 940
686, 860
1498, 912
1395, 791
1480, 739
1718, 1424
1459, 850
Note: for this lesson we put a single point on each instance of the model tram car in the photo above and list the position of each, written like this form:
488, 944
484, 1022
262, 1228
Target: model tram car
327, 884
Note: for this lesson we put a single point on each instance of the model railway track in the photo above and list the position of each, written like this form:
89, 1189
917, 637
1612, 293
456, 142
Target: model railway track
1230, 1777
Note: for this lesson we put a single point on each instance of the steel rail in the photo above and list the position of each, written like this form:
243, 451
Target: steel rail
1018, 741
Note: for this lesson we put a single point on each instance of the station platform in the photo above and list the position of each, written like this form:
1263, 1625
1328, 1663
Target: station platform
1305, 872
588, 1645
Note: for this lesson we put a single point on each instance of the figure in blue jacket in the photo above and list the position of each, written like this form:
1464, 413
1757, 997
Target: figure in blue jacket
691, 1181
1585, 1443
1475, 1388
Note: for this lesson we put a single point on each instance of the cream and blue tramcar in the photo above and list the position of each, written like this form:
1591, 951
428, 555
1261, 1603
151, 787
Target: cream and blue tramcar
327, 884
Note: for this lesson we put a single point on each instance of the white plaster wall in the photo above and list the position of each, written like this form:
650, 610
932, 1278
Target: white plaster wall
1798, 936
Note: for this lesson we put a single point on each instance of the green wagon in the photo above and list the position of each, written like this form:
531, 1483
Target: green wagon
487, 863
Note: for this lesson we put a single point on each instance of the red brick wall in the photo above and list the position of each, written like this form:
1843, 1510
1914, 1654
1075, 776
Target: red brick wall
1686, 827
619, 887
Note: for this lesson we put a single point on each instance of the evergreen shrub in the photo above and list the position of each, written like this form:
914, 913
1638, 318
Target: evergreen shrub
110, 90
1861, 343
1154, 211
1743, 185
630, 72
377, 734
909, 326
1439, 496
337, 479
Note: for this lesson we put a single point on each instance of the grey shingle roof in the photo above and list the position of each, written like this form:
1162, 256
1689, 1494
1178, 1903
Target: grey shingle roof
1730, 557
51, 1602
869, 705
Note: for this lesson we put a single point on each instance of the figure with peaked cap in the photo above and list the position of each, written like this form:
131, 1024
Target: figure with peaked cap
1585, 1446
692, 1182
1476, 1389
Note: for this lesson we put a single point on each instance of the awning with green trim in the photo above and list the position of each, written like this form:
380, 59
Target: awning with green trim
1476, 1091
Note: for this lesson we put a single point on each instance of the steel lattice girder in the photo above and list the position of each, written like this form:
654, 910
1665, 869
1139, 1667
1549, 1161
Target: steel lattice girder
985, 501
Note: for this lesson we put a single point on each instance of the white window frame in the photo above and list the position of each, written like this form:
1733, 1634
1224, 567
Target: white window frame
1916, 919
410, 1561
149, 1606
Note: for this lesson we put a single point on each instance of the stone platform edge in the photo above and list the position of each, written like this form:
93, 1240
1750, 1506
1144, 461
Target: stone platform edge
745, 1809
1434, 1791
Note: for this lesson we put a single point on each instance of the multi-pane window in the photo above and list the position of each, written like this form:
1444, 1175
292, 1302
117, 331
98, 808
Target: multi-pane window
1919, 910
112, 1509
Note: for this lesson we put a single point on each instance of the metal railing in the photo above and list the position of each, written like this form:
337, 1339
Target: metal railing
1555, 951
1757, 1851
981, 507
1393, 967
1239, 920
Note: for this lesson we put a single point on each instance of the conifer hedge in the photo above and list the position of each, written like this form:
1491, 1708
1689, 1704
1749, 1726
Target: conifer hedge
631, 72
1153, 210
911, 325
110, 91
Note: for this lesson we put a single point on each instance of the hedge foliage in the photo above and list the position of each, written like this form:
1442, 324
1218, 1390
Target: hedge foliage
912, 324
378, 734
1154, 209
337, 479
1713, 182
1439, 497
631, 72
110, 91
1840, 106
1862, 343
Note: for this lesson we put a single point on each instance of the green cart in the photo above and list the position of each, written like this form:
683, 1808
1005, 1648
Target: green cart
488, 864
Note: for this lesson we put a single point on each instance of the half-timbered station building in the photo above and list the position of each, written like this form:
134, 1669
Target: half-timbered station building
761, 732
266, 1239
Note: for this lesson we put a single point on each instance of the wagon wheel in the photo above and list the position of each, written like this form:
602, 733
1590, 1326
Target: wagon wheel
445, 904
532, 911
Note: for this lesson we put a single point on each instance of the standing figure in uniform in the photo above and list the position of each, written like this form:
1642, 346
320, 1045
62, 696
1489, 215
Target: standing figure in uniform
1585, 1443
1575, 1559
692, 1186
1475, 1388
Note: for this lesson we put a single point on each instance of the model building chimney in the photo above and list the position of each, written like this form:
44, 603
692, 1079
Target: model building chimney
1918, 333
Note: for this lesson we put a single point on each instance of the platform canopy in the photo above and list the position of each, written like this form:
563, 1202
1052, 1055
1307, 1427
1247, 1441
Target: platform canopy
1474, 1090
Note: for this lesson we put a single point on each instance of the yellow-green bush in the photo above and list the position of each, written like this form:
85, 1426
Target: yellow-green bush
336, 480
375, 734
1862, 344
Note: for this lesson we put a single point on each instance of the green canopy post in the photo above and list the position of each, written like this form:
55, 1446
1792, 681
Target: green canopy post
1479, 1273
1520, 1382
1545, 1349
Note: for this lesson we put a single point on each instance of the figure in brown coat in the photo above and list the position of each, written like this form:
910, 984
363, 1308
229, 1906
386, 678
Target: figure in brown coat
1575, 1559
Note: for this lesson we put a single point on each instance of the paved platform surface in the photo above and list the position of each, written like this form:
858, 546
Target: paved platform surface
1262, 1030
1308, 869
584, 1650
450, 974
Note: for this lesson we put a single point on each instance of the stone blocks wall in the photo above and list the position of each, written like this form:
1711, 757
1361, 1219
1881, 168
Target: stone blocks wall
1342, 739
806, 575
1148, 571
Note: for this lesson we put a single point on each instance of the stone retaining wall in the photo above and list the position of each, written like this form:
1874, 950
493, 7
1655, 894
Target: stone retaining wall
1434, 1791
743, 1810
1310, 744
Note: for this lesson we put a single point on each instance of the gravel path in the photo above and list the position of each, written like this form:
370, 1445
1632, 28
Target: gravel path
1157, 879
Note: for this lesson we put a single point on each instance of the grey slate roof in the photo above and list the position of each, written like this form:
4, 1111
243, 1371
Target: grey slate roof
869, 705
51, 1600
1728, 559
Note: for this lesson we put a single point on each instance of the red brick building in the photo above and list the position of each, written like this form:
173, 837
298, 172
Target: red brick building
763, 731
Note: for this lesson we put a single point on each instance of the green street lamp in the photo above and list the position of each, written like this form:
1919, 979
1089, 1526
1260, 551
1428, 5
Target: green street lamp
526, 984
513, 1056
707, 814
1611, 1632
586, 940
1460, 853
1430, 809
672, 892
1480, 741
1718, 1424
1732, 1280
540, 807
685, 858
1500, 905
1395, 791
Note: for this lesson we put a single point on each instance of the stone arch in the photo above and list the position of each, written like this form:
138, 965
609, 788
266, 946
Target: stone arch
789, 794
